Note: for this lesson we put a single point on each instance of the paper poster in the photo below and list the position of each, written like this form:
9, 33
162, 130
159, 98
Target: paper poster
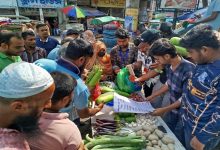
134, 13
128, 23
180, 4
126, 105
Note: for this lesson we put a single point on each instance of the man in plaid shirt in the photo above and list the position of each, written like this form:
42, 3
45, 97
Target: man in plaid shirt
178, 70
124, 53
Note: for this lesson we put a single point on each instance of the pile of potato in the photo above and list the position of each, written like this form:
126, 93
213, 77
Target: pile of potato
157, 140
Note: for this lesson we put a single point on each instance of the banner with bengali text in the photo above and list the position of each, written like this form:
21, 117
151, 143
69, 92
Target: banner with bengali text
41, 3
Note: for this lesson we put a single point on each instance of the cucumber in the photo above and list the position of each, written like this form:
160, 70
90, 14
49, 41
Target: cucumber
95, 79
105, 98
105, 89
119, 148
118, 140
111, 142
113, 146
91, 74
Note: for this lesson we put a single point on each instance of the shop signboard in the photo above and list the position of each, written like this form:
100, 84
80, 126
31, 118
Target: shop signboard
134, 13
109, 3
8, 4
83, 2
41, 3
178, 4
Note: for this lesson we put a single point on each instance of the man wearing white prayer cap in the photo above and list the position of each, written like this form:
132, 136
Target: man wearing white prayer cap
25, 90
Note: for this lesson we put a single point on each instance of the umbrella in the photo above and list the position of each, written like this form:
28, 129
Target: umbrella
73, 11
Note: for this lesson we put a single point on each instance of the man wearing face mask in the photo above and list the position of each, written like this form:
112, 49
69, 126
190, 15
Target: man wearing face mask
73, 62
25, 90
11, 47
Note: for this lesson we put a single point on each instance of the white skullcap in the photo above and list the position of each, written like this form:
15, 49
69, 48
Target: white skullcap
22, 79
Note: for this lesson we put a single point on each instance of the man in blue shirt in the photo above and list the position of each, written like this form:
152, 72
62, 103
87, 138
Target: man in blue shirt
212, 16
43, 39
201, 98
73, 62
57, 52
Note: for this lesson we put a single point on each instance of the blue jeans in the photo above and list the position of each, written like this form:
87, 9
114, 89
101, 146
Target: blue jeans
174, 122
212, 143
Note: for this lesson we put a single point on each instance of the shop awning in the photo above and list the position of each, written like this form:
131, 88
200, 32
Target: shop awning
192, 14
105, 20
91, 12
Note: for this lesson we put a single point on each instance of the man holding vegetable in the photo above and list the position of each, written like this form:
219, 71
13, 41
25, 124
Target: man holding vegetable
201, 98
76, 55
123, 53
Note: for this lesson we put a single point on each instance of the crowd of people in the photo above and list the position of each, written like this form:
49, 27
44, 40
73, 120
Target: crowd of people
43, 95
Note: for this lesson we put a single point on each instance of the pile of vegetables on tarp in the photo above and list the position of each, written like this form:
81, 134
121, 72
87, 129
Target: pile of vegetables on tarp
146, 126
106, 127
104, 94
128, 125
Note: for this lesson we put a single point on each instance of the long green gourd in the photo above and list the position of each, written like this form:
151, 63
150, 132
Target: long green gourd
179, 49
105, 98
91, 74
95, 79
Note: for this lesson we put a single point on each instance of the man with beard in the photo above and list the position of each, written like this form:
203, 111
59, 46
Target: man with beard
201, 98
32, 52
11, 47
73, 62
25, 90
123, 53
44, 40
58, 132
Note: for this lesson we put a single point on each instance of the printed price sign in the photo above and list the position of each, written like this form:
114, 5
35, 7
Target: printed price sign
126, 105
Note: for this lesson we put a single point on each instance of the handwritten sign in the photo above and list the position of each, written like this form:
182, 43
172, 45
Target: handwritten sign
126, 105
41, 3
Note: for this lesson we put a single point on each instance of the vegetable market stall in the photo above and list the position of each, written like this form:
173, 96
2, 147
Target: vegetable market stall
108, 113
125, 122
